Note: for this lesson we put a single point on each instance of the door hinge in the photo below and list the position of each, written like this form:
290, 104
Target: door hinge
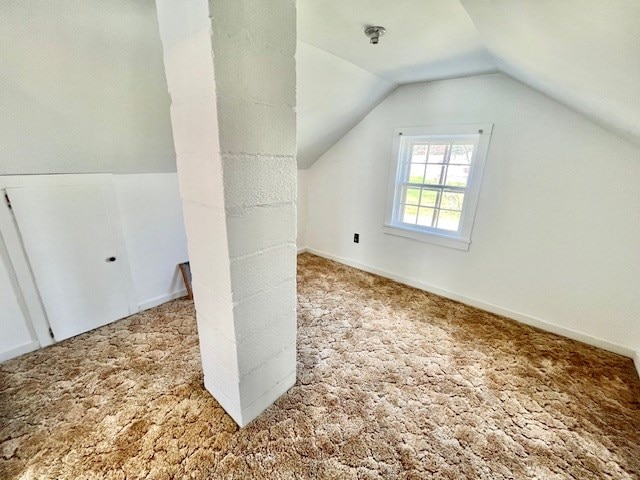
51, 333
7, 200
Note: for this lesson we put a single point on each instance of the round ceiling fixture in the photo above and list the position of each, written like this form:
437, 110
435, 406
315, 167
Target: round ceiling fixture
374, 34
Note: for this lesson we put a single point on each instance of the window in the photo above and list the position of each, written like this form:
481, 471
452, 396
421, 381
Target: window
435, 183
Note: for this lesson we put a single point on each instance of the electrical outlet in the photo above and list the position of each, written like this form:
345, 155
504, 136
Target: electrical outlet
356, 238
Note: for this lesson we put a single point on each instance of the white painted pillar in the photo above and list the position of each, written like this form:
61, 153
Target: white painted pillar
235, 138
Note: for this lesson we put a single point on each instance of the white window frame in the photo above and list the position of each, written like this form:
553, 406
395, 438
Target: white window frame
402, 137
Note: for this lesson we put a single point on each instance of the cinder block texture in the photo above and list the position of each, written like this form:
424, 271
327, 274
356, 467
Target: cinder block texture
256, 25
264, 309
261, 227
207, 245
185, 33
255, 180
230, 68
260, 380
195, 125
260, 348
267, 399
256, 128
215, 309
248, 76
221, 350
257, 272
197, 174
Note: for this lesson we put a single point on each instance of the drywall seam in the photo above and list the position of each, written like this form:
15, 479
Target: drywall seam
498, 310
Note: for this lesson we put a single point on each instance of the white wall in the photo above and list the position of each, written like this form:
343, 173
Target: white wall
301, 209
82, 88
332, 96
150, 211
557, 229
16, 336
153, 227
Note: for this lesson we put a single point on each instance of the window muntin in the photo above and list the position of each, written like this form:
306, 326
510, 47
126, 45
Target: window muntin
433, 178
434, 183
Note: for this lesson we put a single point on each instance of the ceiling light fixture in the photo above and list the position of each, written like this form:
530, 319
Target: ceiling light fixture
374, 34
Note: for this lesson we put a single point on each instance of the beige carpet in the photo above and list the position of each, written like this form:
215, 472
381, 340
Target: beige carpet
392, 383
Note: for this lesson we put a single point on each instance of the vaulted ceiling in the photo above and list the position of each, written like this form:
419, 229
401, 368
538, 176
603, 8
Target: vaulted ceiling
583, 53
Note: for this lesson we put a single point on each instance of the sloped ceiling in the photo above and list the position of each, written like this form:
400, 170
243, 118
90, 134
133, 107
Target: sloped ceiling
333, 96
341, 77
583, 53
426, 40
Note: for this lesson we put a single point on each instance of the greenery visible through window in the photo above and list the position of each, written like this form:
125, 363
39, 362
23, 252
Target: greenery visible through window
434, 183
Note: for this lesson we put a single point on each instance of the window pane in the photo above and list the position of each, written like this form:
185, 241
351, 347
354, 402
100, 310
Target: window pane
461, 154
425, 217
429, 197
419, 153
452, 200
448, 220
437, 152
433, 175
409, 214
412, 196
416, 172
457, 175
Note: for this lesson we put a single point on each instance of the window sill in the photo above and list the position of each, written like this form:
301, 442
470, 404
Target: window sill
428, 237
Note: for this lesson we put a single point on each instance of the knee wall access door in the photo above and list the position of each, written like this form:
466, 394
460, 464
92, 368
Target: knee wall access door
78, 262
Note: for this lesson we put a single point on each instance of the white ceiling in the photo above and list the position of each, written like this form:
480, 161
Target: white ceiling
583, 53
425, 40
341, 77
333, 96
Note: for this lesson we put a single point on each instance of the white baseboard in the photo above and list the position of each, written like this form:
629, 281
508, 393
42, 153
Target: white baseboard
20, 350
154, 302
636, 360
301, 250
519, 317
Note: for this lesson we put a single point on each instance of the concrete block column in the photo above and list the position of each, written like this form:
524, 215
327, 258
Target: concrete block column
230, 68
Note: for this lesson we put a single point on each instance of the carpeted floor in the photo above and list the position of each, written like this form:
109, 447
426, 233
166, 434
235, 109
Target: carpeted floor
392, 383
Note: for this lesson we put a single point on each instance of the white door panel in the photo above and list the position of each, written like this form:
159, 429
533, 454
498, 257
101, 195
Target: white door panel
68, 239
